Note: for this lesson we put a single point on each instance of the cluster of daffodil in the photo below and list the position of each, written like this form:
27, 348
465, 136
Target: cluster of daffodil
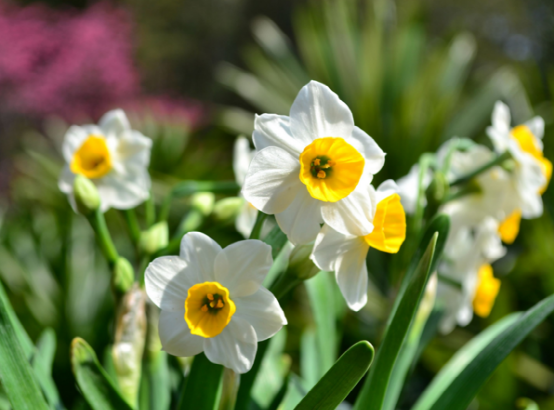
491, 191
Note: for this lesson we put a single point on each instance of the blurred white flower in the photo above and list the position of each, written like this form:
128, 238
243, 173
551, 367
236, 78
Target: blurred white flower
313, 167
532, 171
408, 187
242, 156
211, 300
346, 254
113, 156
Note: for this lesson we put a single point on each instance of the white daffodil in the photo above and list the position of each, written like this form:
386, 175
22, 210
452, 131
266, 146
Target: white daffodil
113, 156
211, 300
532, 171
313, 167
466, 282
408, 187
242, 156
346, 254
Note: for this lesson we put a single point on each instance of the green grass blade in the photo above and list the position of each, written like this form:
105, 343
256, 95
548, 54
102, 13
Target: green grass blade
341, 378
465, 386
373, 392
42, 365
95, 384
203, 385
16, 374
460, 360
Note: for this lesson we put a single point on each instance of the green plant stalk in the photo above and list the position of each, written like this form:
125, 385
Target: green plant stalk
247, 379
98, 224
132, 224
425, 162
203, 385
496, 161
150, 208
257, 229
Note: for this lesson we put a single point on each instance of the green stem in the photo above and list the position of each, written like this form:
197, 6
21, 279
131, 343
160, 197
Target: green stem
496, 161
450, 282
150, 211
425, 162
467, 190
98, 223
133, 224
257, 229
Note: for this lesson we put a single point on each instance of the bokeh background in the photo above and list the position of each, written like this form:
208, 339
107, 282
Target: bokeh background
191, 74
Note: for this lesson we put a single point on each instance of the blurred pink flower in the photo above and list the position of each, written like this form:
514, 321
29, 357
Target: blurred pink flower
65, 63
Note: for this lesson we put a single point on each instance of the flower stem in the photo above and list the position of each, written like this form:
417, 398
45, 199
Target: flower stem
133, 224
495, 161
98, 223
150, 211
256, 230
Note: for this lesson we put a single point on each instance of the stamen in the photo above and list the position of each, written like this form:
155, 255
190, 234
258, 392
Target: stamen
219, 304
204, 308
321, 174
331, 163
317, 161
210, 296
212, 304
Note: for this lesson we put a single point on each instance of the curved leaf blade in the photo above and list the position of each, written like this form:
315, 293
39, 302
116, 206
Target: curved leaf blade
341, 378
203, 385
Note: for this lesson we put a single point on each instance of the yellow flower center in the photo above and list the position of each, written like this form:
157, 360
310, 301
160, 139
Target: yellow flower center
208, 309
509, 227
528, 143
92, 159
330, 168
486, 292
389, 225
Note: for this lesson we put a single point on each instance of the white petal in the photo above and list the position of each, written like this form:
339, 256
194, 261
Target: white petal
246, 219
318, 112
501, 117
242, 266
271, 130
499, 139
263, 312
200, 251
373, 154
536, 126
273, 180
133, 149
74, 138
328, 245
353, 214
176, 337
124, 190
242, 155
65, 183
302, 219
386, 189
235, 347
167, 281
114, 122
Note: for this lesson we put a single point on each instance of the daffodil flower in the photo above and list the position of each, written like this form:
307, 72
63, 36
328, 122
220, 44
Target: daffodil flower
408, 188
346, 254
467, 284
113, 156
313, 167
212, 301
532, 171
242, 156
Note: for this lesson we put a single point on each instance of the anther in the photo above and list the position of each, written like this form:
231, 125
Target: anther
204, 308
331, 163
219, 304
210, 296
321, 174
317, 161
212, 304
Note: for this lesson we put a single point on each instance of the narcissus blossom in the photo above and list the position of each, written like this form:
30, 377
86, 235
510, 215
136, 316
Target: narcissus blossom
212, 301
346, 254
113, 156
313, 167
242, 156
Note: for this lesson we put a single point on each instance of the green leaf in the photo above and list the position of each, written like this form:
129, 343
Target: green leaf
247, 379
373, 392
465, 386
341, 378
203, 385
276, 239
15, 372
42, 365
99, 390
460, 360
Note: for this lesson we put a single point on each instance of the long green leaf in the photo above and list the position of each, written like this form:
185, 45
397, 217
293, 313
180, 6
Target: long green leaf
42, 365
460, 360
15, 371
95, 384
203, 385
465, 386
373, 392
341, 378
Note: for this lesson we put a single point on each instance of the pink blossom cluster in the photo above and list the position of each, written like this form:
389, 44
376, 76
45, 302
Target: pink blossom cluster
68, 63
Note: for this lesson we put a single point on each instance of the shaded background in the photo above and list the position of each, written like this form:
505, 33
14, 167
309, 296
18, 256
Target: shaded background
191, 74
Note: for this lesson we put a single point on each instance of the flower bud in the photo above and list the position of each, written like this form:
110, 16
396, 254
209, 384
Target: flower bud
86, 195
123, 276
203, 202
128, 346
300, 263
438, 189
227, 209
154, 238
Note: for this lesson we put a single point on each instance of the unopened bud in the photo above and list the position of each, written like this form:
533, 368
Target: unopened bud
204, 202
438, 189
227, 209
86, 195
300, 263
154, 238
123, 276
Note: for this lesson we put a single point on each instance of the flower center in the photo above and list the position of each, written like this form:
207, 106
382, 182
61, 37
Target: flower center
330, 168
208, 309
529, 144
509, 227
487, 290
92, 159
389, 225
